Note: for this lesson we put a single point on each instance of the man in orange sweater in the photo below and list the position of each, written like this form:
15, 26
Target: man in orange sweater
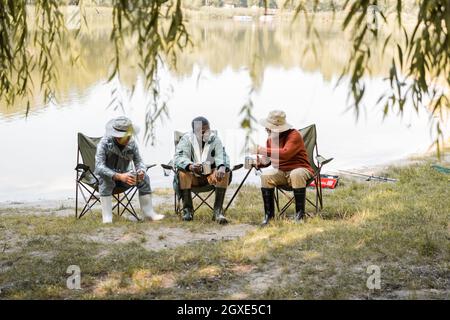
286, 149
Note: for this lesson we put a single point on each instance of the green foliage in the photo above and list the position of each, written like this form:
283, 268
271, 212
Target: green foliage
419, 74
37, 40
17, 60
420, 67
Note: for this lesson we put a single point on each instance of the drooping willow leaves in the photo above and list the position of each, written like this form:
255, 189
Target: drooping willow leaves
420, 68
419, 75
157, 28
35, 42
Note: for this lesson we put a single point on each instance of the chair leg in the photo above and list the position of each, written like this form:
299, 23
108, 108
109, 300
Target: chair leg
310, 202
116, 206
88, 207
175, 203
131, 210
203, 201
317, 196
131, 205
238, 189
128, 206
286, 206
314, 204
320, 201
277, 200
320, 197
290, 200
76, 197
128, 203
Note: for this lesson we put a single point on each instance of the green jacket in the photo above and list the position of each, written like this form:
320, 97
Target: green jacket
214, 152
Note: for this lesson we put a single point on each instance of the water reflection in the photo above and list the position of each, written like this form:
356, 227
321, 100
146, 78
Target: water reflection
218, 45
212, 79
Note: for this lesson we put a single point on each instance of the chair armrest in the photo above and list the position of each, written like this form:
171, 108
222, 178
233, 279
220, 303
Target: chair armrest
85, 168
148, 166
167, 167
82, 166
322, 161
237, 167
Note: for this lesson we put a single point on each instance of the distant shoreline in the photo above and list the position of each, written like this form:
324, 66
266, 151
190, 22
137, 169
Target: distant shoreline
228, 13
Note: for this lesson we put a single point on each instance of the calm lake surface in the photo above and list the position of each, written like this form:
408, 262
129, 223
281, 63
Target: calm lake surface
212, 79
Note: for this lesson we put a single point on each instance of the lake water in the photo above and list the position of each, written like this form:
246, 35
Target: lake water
39, 151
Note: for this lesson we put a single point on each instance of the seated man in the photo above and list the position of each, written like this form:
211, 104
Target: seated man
114, 153
197, 147
286, 149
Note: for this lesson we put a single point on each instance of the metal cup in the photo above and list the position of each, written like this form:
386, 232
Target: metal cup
134, 174
206, 168
249, 162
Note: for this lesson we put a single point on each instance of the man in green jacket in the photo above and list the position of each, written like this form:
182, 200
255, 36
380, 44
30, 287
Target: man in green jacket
195, 149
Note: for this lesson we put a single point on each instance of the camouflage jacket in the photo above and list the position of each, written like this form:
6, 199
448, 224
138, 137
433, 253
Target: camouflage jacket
109, 159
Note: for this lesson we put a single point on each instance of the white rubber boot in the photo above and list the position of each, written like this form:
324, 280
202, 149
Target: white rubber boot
147, 208
106, 209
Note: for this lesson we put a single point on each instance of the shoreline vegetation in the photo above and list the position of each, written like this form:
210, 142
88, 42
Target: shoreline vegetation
261, 44
214, 13
401, 227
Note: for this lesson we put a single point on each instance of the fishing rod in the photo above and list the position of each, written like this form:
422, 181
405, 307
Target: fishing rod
370, 177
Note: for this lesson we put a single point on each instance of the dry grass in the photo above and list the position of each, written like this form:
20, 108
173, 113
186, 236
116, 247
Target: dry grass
403, 228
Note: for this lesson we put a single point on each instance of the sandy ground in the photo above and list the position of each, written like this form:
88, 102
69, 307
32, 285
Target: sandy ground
160, 238
156, 238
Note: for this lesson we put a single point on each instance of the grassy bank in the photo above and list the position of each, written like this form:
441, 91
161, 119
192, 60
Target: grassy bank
403, 228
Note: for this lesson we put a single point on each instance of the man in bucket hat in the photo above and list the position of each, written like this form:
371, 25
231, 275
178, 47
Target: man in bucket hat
115, 151
286, 149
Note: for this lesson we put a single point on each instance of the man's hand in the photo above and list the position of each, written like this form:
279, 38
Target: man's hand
220, 173
196, 168
126, 178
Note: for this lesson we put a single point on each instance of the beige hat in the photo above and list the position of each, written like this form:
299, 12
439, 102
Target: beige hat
120, 127
276, 121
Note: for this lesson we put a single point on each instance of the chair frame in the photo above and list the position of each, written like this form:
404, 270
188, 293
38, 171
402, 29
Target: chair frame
122, 195
208, 189
317, 203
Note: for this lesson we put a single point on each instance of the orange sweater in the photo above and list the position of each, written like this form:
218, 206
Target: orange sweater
291, 152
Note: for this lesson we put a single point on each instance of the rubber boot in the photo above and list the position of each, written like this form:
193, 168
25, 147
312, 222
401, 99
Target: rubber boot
188, 208
146, 204
300, 198
269, 205
106, 203
218, 206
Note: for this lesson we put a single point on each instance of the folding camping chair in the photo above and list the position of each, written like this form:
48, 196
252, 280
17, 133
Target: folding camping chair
309, 135
197, 191
87, 182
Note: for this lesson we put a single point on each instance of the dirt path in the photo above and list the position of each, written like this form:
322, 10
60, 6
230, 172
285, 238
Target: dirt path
164, 237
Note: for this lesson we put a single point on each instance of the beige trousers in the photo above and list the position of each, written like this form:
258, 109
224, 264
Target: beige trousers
296, 178
189, 180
